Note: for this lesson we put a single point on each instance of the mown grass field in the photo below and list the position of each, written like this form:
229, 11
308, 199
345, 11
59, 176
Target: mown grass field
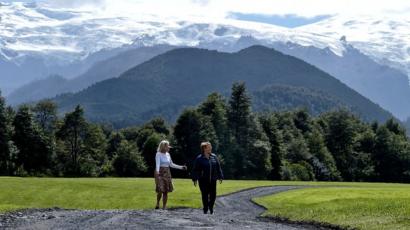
375, 206
361, 205
102, 193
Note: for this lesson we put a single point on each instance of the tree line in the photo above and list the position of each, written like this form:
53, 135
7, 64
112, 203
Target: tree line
287, 145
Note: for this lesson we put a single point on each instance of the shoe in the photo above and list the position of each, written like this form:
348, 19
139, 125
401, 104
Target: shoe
156, 207
211, 211
205, 211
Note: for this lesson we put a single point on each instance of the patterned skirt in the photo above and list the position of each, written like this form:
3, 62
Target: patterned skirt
164, 181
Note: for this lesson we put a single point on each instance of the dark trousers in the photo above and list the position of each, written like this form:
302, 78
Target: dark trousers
208, 192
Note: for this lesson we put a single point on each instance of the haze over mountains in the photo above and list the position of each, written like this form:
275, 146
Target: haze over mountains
369, 54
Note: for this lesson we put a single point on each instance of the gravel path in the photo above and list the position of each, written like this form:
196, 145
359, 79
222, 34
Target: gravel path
233, 211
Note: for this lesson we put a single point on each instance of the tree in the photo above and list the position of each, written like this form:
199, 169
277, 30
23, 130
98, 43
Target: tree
395, 127
45, 113
239, 123
4, 139
72, 133
113, 143
34, 152
158, 125
323, 163
269, 125
250, 151
258, 156
302, 121
297, 171
298, 150
340, 135
364, 149
239, 113
392, 156
190, 130
149, 150
128, 161
94, 158
215, 108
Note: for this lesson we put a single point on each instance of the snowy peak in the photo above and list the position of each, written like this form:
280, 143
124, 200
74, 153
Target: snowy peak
385, 39
28, 29
62, 36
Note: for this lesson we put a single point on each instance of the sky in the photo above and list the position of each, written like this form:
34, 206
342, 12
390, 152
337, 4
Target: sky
287, 13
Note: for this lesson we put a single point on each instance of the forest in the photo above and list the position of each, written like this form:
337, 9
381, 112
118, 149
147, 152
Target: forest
275, 145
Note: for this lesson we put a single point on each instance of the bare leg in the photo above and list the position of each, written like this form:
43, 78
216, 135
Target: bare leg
158, 199
164, 200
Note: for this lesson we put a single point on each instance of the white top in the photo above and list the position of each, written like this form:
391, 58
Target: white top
164, 160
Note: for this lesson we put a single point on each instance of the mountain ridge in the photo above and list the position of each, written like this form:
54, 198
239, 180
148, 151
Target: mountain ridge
187, 75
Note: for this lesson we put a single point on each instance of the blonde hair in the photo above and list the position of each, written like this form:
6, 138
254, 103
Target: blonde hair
204, 144
162, 145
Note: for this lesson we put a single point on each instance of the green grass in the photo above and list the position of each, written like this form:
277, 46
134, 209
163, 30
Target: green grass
362, 206
102, 193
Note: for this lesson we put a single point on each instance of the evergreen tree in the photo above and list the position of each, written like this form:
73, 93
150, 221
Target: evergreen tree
391, 156
215, 108
4, 139
72, 133
239, 113
239, 123
34, 152
269, 125
250, 146
190, 130
340, 136
258, 156
13, 150
364, 149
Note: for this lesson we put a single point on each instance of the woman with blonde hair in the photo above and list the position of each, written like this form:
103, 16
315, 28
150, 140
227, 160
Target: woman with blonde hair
162, 173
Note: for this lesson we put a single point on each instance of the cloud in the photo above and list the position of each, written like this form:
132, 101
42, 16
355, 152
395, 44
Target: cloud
220, 9
75, 3
201, 2
312, 8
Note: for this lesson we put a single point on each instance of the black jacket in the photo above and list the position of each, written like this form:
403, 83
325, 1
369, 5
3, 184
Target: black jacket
204, 168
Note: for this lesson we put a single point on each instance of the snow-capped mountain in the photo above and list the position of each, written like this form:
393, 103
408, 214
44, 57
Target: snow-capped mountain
385, 39
64, 35
37, 40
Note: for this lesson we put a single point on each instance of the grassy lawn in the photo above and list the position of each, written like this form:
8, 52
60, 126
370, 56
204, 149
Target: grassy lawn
374, 206
102, 193
362, 205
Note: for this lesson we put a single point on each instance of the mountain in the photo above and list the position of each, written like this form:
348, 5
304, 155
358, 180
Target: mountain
101, 70
383, 38
354, 68
185, 76
37, 90
382, 84
37, 41
52, 31
285, 97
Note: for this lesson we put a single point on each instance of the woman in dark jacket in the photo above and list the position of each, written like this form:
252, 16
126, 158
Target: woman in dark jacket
207, 170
